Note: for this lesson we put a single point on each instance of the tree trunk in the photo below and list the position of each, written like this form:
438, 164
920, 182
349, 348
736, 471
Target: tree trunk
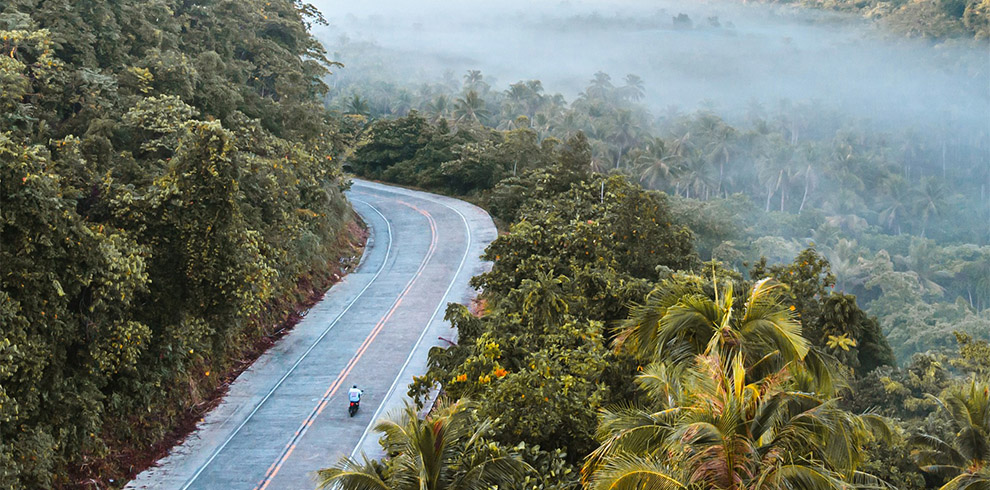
807, 184
783, 192
721, 166
943, 159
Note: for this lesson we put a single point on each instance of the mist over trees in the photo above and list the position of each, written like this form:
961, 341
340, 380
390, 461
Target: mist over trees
720, 53
744, 245
804, 305
900, 211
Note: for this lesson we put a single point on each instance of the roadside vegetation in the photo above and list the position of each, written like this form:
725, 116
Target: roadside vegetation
167, 198
786, 297
609, 355
791, 298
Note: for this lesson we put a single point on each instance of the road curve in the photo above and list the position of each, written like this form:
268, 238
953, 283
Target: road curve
286, 416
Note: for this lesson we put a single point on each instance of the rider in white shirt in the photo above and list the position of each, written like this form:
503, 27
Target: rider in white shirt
354, 394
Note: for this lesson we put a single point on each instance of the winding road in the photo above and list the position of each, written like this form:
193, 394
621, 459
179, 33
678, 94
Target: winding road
286, 416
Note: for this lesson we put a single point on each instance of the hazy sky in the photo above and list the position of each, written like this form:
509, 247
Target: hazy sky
755, 53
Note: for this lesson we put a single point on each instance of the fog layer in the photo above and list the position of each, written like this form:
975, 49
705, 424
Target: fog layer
721, 54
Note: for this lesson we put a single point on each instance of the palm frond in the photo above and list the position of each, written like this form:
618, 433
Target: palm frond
941, 451
350, 474
499, 472
942, 470
800, 477
629, 472
968, 481
694, 319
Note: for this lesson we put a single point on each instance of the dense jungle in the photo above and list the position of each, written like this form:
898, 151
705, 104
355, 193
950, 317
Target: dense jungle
743, 244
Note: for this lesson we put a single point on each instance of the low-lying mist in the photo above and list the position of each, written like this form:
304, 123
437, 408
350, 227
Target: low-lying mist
718, 55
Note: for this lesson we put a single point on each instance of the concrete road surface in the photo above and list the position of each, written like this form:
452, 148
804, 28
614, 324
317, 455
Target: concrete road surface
286, 416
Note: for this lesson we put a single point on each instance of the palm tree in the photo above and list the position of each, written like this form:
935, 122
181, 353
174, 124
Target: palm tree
634, 87
929, 200
678, 320
445, 451
403, 103
474, 80
600, 88
894, 202
966, 457
470, 108
624, 132
358, 105
713, 423
439, 109
696, 174
775, 166
717, 138
516, 97
847, 266
975, 274
810, 154
920, 260
846, 165
655, 162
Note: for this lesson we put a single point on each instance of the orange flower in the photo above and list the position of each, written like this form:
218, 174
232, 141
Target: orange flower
462, 377
792, 308
500, 372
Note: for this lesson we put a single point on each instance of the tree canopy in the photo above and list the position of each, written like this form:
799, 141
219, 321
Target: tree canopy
167, 194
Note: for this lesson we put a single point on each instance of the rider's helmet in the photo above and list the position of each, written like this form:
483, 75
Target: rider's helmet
355, 386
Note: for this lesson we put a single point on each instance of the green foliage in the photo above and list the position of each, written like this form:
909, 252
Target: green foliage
832, 320
963, 458
580, 256
729, 405
449, 449
938, 19
413, 151
974, 355
891, 462
794, 174
912, 324
538, 353
166, 186
390, 142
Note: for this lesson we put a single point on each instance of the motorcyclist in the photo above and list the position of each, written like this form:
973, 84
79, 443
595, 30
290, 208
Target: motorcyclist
354, 395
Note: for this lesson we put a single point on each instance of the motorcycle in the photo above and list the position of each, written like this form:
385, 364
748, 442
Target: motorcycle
351, 410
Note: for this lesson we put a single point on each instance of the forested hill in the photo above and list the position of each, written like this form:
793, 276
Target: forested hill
167, 194
931, 19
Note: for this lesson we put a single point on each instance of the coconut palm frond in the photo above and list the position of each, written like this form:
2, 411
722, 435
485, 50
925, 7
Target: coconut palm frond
351, 474
801, 477
629, 472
